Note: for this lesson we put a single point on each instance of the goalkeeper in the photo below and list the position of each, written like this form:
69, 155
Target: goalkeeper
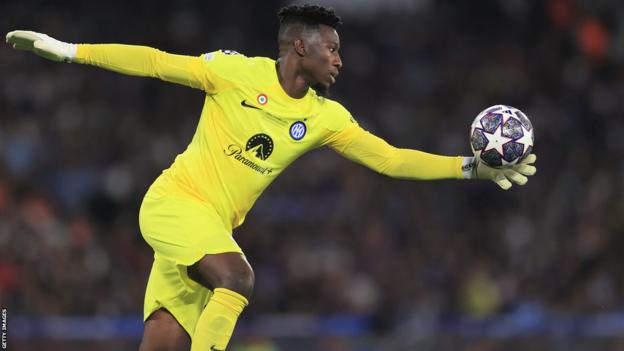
259, 116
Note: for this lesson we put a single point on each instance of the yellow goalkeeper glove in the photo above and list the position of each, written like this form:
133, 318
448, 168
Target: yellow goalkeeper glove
473, 168
42, 45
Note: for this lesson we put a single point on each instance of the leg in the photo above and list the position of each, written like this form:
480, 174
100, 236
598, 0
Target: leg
232, 279
172, 301
189, 238
228, 270
163, 333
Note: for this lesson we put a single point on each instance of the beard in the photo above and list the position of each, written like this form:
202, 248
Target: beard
321, 90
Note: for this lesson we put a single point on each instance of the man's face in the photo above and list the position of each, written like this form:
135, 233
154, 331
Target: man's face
321, 62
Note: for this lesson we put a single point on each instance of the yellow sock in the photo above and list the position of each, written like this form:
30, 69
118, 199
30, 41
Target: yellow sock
216, 323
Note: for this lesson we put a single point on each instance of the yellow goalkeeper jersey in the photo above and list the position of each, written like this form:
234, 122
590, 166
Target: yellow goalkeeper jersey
250, 130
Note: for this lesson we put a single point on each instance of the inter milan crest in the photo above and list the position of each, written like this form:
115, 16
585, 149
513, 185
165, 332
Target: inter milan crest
262, 144
298, 130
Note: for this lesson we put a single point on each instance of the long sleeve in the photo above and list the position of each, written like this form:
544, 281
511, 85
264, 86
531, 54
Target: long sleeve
360, 146
147, 62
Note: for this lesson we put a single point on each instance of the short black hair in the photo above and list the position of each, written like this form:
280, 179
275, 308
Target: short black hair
310, 15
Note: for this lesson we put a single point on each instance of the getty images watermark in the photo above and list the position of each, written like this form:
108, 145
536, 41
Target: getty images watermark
3, 329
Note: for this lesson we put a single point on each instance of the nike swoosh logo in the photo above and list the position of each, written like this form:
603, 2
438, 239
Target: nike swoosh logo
212, 348
245, 104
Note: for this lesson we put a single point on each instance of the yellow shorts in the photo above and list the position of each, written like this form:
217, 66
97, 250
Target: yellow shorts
181, 231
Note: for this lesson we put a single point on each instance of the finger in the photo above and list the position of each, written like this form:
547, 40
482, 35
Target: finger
502, 181
516, 177
529, 159
10, 35
525, 169
22, 40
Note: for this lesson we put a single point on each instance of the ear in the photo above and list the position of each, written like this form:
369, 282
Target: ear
300, 48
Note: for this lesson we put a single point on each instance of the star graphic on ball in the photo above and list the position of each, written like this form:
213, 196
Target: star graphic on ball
496, 140
525, 140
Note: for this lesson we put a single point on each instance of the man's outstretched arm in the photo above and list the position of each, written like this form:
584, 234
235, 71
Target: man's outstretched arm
375, 153
127, 59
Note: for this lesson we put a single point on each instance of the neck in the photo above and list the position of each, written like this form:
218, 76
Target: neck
290, 79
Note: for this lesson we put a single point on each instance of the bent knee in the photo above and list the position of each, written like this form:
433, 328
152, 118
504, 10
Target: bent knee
241, 282
228, 271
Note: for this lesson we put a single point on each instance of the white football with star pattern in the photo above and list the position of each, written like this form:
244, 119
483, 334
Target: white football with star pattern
501, 135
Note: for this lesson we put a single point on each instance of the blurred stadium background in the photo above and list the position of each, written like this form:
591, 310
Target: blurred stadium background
345, 259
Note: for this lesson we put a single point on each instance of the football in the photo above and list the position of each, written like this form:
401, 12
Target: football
501, 135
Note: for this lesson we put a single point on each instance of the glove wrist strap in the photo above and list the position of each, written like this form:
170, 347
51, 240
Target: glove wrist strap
469, 168
71, 51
